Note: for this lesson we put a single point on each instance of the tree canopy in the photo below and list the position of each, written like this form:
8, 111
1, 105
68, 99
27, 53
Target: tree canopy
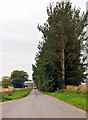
6, 81
60, 59
18, 77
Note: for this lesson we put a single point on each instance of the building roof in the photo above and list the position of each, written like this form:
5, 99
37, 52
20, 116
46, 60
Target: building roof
28, 82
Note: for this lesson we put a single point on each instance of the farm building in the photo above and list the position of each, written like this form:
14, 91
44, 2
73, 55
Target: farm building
29, 84
85, 82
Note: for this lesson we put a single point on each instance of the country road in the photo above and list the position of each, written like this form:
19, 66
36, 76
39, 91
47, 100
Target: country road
38, 105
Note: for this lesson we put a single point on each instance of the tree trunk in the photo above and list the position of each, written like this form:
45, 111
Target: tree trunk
63, 68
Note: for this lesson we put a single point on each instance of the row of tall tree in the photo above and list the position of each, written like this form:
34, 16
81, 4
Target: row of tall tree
60, 60
16, 79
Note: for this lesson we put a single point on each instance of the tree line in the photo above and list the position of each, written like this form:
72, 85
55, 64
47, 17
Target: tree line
61, 58
16, 79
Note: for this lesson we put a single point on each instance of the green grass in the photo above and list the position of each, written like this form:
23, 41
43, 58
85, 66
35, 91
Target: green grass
74, 98
14, 95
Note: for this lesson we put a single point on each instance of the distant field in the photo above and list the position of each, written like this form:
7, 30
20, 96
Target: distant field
11, 89
80, 88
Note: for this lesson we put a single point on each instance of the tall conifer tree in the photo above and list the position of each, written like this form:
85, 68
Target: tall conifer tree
63, 43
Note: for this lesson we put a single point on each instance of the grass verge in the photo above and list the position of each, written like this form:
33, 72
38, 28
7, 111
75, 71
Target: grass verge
77, 99
14, 95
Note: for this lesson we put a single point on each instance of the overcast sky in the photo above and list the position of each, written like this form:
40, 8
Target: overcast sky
19, 35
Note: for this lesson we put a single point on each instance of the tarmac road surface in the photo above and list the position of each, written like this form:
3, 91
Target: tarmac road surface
38, 105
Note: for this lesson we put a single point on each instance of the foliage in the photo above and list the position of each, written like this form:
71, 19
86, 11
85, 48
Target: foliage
15, 95
73, 98
19, 77
59, 61
17, 83
6, 81
0, 83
